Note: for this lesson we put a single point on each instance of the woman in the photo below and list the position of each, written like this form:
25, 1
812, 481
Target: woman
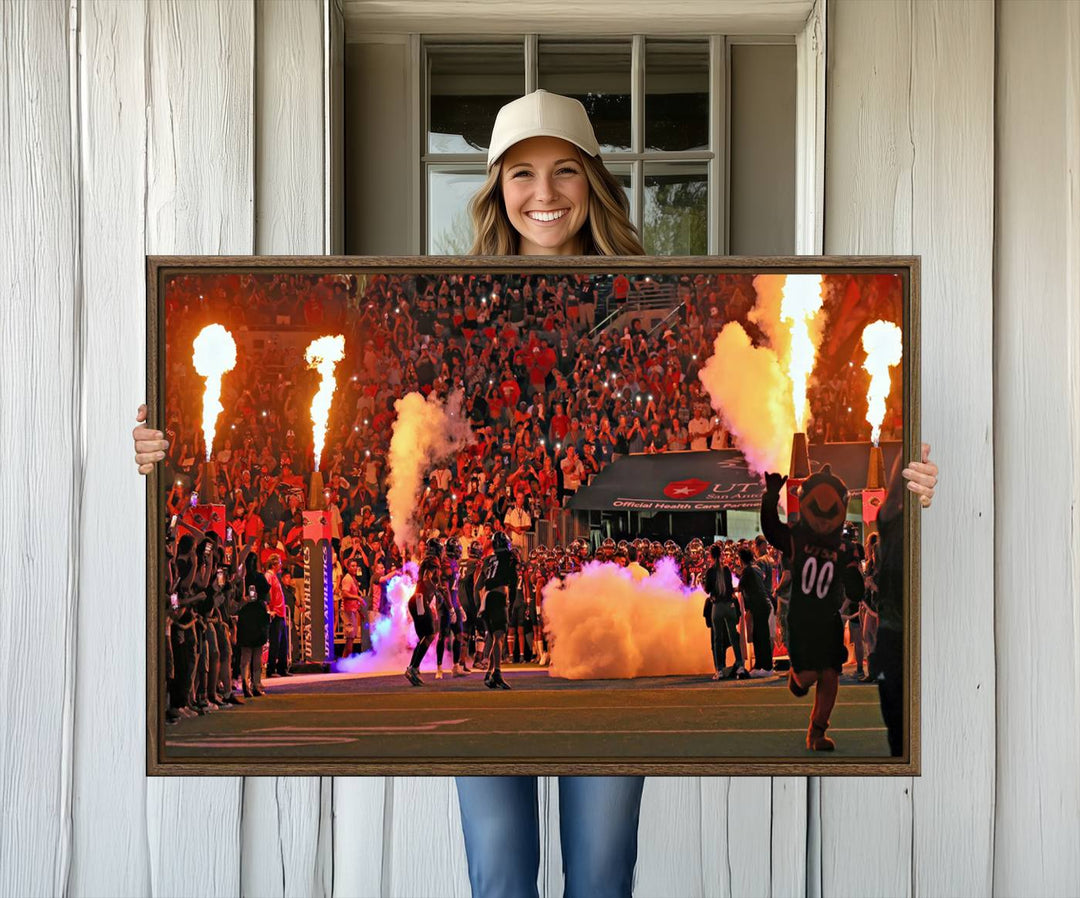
547, 193
722, 616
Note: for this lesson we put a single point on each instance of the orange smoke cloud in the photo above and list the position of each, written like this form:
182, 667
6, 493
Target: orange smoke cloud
602, 624
425, 432
747, 385
761, 390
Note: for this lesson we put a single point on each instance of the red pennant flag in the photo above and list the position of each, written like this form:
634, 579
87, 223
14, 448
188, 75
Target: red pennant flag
317, 526
206, 518
792, 496
872, 500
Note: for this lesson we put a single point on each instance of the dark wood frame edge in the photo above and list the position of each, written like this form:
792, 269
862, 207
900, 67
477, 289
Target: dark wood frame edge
909, 268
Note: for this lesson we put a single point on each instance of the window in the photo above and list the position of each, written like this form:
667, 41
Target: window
660, 111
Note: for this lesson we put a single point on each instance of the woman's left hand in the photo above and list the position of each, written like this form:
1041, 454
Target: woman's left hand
922, 477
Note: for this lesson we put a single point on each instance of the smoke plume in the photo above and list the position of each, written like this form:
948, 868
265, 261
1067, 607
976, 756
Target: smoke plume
601, 624
425, 432
392, 636
752, 386
747, 385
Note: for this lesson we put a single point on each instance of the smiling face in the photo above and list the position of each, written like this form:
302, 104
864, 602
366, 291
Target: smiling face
546, 194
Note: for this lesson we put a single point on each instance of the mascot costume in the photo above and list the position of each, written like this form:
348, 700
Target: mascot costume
812, 545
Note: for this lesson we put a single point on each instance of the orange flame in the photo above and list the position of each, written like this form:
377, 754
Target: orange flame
800, 305
323, 355
884, 345
214, 354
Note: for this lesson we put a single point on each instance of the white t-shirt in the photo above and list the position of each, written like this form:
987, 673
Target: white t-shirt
719, 438
441, 476
699, 429
518, 517
572, 472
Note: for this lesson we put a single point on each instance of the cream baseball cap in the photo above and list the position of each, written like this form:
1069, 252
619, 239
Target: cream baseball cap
541, 114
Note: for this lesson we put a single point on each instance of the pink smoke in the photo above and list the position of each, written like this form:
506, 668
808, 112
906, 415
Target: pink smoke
602, 624
392, 636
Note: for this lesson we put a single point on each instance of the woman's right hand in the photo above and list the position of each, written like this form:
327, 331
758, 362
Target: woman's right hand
150, 445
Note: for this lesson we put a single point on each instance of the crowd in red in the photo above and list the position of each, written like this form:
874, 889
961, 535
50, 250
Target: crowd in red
550, 400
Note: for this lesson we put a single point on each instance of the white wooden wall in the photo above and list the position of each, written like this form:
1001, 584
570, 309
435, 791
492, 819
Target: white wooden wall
199, 127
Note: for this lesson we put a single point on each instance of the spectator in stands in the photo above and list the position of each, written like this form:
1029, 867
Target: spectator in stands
277, 663
518, 522
573, 471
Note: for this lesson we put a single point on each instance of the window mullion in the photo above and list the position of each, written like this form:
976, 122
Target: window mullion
421, 94
532, 59
717, 189
637, 128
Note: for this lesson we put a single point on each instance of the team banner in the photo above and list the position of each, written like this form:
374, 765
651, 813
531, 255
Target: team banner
708, 480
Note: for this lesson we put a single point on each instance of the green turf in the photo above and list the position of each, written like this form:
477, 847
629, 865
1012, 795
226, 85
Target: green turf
385, 718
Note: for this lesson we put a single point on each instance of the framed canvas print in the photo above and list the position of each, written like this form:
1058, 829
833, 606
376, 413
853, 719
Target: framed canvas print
442, 515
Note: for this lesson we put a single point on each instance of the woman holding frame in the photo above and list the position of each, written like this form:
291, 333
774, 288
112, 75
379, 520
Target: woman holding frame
547, 193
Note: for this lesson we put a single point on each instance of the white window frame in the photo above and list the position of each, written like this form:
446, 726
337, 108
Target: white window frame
810, 126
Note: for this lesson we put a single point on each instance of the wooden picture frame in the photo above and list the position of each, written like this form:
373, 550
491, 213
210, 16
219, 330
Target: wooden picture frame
265, 751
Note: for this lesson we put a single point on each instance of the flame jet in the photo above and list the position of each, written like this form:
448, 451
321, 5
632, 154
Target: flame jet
761, 389
801, 306
323, 355
214, 354
884, 346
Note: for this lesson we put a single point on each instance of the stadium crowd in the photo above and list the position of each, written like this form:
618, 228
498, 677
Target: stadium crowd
552, 393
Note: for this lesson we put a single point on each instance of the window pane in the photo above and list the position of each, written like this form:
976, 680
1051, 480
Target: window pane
467, 84
762, 198
676, 95
597, 74
449, 191
676, 209
624, 176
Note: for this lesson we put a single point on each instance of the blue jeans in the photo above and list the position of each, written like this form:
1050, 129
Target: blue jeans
598, 822
277, 660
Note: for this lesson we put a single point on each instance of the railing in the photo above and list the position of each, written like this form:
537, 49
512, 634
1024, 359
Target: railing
564, 526
667, 320
647, 296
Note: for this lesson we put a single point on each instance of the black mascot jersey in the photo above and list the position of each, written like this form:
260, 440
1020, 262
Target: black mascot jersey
813, 547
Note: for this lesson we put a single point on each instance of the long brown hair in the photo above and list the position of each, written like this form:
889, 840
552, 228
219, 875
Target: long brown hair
608, 230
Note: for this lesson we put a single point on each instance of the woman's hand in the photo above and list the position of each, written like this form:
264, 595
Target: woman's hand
150, 445
922, 477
